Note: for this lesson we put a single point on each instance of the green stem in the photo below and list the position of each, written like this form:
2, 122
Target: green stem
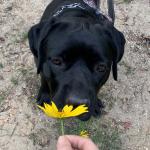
62, 127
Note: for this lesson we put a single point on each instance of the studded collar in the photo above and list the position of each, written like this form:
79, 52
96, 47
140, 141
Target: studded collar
90, 3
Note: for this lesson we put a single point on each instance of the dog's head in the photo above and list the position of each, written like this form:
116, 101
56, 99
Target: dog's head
76, 58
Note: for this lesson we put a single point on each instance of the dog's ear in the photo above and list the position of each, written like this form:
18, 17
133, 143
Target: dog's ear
118, 46
33, 37
36, 36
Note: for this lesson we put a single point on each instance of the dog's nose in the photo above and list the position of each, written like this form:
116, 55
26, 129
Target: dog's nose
76, 101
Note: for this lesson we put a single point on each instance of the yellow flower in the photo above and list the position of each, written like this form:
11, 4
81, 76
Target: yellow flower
84, 133
67, 111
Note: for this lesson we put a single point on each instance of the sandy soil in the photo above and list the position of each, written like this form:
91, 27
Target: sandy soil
22, 126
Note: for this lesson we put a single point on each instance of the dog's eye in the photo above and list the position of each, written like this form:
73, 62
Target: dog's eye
100, 67
57, 61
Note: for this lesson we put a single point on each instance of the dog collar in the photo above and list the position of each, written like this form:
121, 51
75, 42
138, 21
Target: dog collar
69, 6
90, 3
98, 11
78, 5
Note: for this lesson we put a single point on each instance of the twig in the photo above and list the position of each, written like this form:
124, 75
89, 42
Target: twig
14, 129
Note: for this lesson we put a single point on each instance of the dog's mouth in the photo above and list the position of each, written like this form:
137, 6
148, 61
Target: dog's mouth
85, 116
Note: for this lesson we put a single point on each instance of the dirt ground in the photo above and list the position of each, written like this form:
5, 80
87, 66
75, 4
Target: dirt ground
22, 126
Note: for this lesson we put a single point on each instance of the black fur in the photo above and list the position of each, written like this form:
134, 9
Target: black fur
74, 52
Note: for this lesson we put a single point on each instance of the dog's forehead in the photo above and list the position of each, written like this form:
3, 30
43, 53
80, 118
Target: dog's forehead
83, 41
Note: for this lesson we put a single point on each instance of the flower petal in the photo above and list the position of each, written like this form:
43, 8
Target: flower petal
67, 109
78, 111
49, 111
54, 106
41, 107
47, 106
84, 133
52, 110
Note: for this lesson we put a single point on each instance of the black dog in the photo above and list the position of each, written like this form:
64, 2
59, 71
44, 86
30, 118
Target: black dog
75, 46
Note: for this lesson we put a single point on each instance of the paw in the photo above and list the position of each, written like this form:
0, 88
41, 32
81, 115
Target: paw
98, 107
43, 98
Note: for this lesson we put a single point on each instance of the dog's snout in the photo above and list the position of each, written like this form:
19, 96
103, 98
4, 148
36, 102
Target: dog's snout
76, 101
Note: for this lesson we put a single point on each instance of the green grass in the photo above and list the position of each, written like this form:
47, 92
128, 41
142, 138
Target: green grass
75, 126
40, 137
2, 98
1, 66
21, 37
101, 132
129, 69
108, 99
107, 138
127, 1
33, 137
24, 36
3, 95
23, 71
14, 80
